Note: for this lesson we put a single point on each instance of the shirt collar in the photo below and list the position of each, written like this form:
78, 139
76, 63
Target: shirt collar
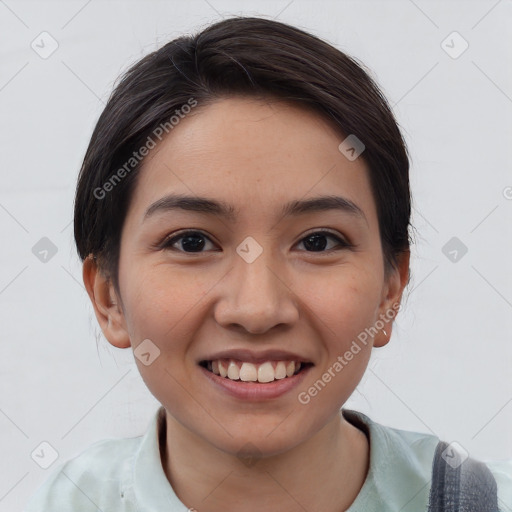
391, 464
153, 492
400, 467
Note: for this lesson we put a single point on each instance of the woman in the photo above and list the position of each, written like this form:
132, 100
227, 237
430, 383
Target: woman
242, 214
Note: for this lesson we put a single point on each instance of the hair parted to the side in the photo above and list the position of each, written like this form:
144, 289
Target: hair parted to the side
240, 56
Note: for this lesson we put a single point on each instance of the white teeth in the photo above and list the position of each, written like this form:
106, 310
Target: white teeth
233, 371
266, 372
280, 372
222, 370
250, 372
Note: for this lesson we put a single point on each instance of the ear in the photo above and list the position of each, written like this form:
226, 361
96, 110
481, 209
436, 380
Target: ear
106, 304
393, 289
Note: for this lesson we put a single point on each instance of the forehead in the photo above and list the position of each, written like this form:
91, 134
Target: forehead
253, 154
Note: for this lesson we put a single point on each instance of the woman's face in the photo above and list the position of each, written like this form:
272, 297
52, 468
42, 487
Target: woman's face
251, 284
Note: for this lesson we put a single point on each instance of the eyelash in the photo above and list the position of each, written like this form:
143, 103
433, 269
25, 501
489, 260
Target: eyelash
169, 241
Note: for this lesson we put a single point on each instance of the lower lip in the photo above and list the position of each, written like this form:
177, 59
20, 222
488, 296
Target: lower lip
256, 391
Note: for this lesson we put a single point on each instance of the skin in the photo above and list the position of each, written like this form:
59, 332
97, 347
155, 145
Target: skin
255, 155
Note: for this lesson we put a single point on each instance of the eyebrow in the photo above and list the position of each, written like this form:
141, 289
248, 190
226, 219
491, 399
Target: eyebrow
222, 209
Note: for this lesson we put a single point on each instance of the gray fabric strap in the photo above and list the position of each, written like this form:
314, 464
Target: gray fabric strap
461, 486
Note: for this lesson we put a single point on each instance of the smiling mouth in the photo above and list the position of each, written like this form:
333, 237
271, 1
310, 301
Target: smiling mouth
242, 371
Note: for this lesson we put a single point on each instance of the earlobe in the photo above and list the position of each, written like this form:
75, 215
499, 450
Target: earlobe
104, 301
396, 282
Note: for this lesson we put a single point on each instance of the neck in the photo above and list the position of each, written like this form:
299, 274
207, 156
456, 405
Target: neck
334, 461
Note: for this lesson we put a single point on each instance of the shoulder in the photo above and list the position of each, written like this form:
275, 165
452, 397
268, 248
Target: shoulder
405, 456
94, 480
502, 472
400, 469
393, 446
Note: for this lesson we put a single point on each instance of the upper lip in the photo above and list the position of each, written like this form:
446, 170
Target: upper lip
251, 356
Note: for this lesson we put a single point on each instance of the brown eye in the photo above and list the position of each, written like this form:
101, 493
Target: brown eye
188, 241
316, 242
196, 242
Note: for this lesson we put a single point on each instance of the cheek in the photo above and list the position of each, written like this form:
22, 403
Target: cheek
159, 302
344, 301
343, 307
159, 308
165, 307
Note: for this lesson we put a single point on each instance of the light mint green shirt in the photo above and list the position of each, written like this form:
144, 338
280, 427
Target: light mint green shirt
126, 475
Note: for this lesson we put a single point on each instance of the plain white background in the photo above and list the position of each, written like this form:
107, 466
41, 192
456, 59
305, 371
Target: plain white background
447, 368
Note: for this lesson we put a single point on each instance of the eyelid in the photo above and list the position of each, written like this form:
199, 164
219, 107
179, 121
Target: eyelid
343, 240
328, 231
169, 240
165, 243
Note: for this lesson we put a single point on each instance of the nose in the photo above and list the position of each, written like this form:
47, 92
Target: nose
255, 296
